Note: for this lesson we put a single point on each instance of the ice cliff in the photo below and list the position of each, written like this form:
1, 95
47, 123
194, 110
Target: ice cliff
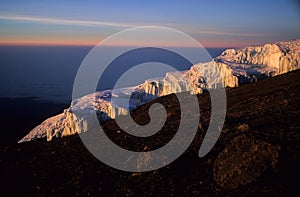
235, 66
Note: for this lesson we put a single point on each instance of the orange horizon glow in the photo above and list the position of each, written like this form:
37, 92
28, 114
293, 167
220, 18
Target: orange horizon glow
47, 42
29, 43
94, 43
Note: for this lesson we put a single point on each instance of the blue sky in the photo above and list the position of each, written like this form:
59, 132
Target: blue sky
214, 23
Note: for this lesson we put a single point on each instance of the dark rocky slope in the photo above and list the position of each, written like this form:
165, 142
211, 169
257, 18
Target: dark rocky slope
256, 154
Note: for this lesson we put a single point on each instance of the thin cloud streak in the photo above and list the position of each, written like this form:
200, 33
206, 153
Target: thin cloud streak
232, 33
112, 24
65, 21
207, 31
193, 31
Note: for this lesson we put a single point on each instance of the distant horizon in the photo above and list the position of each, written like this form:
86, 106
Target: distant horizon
215, 24
3, 44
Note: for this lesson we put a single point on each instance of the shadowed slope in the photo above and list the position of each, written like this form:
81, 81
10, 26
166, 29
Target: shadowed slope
256, 154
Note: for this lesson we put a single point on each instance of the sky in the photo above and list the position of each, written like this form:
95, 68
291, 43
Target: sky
223, 23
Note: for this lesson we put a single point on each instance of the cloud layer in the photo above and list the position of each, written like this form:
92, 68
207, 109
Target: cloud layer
65, 21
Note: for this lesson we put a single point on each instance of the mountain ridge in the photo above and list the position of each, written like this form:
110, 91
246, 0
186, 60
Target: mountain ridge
256, 154
232, 68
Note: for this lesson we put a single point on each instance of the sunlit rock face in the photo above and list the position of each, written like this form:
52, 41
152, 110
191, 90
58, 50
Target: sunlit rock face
231, 69
273, 59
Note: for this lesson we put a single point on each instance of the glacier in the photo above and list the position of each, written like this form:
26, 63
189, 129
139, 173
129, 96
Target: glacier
232, 68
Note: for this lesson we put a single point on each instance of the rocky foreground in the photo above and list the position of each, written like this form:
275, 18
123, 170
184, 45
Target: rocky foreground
231, 69
256, 154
